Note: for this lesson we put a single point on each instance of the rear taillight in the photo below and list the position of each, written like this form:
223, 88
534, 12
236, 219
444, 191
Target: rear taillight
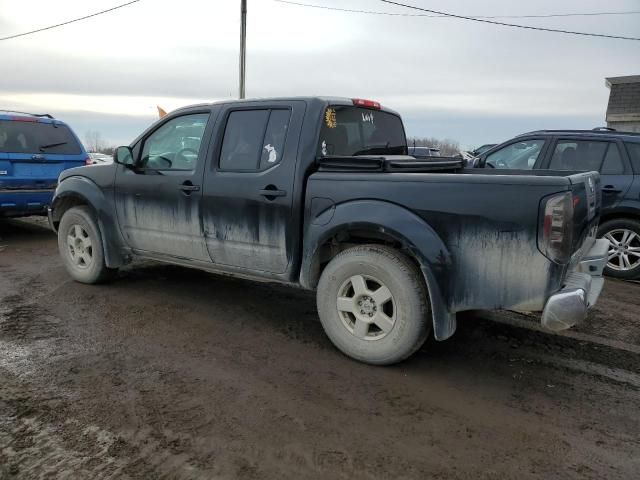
557, 228
361, 102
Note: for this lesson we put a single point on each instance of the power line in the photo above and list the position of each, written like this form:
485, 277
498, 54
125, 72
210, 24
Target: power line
397, 14
493, 22
70, 21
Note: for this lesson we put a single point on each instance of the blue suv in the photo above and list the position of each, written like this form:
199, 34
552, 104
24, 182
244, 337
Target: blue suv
34, 150
616, 155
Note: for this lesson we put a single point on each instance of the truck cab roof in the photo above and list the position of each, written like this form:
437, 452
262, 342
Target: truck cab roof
326, 100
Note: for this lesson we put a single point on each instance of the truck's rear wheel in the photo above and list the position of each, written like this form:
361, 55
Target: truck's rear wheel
624, 251
373, 304
81, 248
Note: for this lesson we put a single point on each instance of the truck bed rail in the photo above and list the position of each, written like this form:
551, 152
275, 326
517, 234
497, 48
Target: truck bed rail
393, 163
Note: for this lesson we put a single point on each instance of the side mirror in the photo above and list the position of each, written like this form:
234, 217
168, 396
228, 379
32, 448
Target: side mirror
123, 156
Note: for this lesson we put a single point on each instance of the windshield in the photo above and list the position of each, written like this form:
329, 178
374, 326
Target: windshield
35, 137
353, 131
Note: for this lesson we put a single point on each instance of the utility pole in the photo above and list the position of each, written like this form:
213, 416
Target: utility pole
243, 44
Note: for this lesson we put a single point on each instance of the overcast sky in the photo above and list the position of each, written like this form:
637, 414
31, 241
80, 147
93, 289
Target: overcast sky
463, 80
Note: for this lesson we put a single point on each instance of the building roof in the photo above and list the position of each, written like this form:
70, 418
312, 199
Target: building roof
620, 80
624, 99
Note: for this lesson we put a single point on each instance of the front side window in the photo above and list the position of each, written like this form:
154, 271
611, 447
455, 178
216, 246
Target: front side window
352, 131
254, 139
578, 155
519, 156
176, 144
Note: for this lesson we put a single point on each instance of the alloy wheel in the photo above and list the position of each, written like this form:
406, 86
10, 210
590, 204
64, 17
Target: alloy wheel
366, 307
80, 246
624, 249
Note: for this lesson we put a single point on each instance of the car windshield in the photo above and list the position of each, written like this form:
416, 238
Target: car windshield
351, 131
35, 137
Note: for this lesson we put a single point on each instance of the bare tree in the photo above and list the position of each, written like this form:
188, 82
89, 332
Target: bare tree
93, 141
448, 147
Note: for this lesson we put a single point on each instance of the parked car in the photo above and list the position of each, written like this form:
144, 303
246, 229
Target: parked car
616, 155
470, 157
96, 158
481, 149
34, 150
319, 193
424, 152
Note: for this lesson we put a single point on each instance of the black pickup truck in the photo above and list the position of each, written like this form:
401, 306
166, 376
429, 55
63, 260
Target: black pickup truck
319, 193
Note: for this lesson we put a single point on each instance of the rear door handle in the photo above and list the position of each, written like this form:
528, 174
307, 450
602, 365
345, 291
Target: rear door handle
610, 189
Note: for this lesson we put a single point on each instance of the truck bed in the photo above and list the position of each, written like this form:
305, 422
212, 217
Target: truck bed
488, 221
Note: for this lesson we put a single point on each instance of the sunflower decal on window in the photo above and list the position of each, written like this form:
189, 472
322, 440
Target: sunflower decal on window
330, 118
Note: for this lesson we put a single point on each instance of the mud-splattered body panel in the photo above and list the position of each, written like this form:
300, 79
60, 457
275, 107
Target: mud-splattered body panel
489, 228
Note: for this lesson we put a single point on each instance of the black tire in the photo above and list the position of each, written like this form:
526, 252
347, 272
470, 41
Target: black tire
613, 228
80, 246
382, 342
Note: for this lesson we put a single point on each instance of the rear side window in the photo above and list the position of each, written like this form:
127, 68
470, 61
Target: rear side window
578, 155
254, 139
634, 154
35, 137
612, 164
351, 131
274, 137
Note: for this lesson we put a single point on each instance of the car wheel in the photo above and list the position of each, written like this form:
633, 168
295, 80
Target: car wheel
373, 304
624, 247
80, 246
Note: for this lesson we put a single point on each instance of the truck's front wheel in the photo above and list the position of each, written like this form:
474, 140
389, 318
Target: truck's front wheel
81, 248
373, 304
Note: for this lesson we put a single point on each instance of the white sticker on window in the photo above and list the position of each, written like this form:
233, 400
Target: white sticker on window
273, 155
324, 148
367, 117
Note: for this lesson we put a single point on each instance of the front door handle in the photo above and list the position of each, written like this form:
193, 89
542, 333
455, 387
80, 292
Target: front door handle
188, 187
610, 189
270, 192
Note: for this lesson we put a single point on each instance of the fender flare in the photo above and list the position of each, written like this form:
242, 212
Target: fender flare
390, 220
86, 192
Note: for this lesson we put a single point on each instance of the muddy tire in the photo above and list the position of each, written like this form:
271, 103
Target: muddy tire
624, 251
373, 304
80, 246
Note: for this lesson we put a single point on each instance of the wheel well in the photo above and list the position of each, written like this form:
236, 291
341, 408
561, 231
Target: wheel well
619, 216
347, 239
64, 204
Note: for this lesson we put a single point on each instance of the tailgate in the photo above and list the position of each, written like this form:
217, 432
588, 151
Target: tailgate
587, 202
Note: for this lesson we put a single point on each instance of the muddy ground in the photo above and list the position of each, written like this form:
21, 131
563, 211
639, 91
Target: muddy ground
175, 373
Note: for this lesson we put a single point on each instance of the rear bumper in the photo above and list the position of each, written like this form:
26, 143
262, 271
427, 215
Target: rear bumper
581, 290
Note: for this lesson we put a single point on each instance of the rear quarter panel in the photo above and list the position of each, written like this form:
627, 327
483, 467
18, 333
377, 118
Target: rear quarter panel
489, 225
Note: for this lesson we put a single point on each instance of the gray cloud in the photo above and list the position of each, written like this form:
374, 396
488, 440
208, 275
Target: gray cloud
448, 78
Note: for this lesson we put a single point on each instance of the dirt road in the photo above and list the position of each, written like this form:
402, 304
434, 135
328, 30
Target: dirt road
174, 373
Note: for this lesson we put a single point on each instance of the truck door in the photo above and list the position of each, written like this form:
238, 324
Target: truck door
158, 202
249, 186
